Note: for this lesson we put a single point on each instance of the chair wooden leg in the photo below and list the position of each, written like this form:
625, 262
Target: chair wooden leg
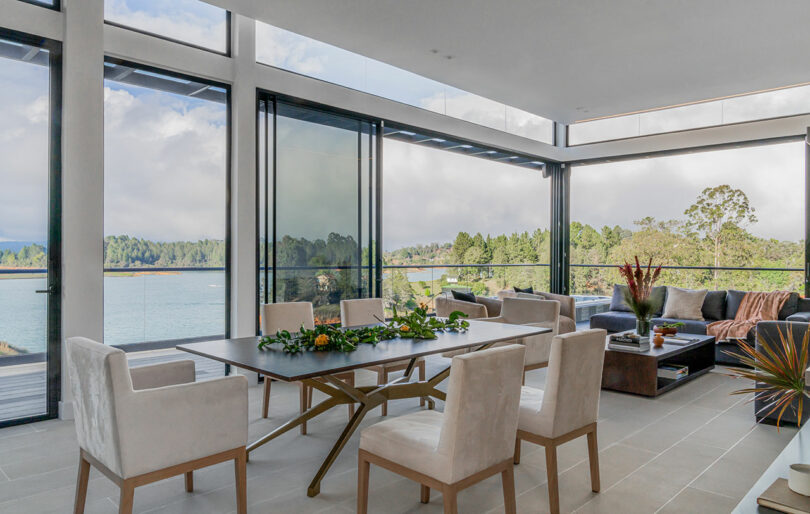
593, 456
127, 497
421, 379
362, 485
266, 399
553, 485
382, 378
424, 494
508, 481
450, 496
516, 459
350, 381
240, 472
81, 486
302, 400
190, 482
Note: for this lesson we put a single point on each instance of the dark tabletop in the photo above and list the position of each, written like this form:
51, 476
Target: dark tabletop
273, 361
669, 350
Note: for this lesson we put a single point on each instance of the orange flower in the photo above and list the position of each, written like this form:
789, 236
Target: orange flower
405, 328
423, 305
322, 340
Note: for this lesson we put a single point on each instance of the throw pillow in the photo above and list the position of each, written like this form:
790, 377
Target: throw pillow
464, 297
713, 305
684, 303
617, 302
658, 296
529, 290
733, 299
790, 307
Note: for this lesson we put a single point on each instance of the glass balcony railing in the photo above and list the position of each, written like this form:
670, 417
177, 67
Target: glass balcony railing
407, 286
598, 279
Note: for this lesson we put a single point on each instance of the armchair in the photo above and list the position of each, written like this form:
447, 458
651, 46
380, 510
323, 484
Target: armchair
150, 423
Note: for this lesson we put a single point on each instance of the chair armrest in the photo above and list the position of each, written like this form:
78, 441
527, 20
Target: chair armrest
170, 425
162, 375
493, 305
802, 317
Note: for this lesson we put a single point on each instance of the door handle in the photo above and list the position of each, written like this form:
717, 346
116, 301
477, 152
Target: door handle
50, 290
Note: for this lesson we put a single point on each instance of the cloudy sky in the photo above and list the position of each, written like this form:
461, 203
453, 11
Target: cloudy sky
165, 157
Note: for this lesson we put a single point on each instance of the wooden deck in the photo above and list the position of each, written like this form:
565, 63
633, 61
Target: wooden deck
22, 390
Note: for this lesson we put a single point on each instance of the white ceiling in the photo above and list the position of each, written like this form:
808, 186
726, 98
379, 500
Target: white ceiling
567, 59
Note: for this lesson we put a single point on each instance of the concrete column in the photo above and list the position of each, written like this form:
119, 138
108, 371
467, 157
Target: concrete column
243, 180
82, 178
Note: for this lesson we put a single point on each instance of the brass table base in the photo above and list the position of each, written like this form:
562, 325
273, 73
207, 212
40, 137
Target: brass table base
340, 393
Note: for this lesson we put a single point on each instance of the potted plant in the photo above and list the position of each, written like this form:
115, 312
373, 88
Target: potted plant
667, 329
778, 371
639, 287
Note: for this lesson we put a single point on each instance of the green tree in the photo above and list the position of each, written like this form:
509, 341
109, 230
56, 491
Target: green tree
716, 213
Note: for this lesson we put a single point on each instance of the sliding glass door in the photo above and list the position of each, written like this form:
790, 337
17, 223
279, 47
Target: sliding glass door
317, 188
29, 229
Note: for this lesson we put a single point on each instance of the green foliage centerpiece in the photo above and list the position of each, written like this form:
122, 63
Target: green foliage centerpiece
323, 338
639, 287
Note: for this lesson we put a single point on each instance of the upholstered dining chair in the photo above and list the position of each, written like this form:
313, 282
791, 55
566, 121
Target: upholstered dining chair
568, 407
145, 424
445, 306
535, 313
370, 311
291, 316
472, 440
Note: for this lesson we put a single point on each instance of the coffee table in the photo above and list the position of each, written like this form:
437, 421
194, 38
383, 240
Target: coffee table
637, 372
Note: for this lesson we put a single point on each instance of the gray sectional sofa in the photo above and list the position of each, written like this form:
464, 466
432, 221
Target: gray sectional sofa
718, 305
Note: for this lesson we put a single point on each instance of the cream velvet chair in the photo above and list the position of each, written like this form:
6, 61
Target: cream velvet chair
150, 423
535, 313
370, 311
471, 441
291, 316
568, 306
569, 406
445, 306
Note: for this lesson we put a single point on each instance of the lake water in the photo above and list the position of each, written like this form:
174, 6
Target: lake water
137, 308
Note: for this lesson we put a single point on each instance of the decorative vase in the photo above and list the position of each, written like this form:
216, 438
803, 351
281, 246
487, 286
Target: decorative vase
643, 327
658, 341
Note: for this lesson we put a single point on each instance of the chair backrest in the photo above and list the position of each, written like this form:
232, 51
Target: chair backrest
573, 382
362, 311
290, 316
567, 303
481, 411
99, 376
445, 306
522, 311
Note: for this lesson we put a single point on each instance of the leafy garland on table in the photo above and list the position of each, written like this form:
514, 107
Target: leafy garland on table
414, 325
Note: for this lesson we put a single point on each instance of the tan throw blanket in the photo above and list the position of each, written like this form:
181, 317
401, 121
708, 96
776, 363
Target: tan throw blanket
754, 307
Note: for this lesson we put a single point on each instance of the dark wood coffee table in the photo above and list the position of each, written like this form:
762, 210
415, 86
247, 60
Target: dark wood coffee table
637, 372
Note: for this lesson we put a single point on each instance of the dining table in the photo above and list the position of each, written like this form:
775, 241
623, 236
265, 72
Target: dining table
317, 369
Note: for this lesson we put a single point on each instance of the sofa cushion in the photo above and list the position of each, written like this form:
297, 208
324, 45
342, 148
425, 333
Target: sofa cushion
617, 303
529, 290
690, 326
714, 305
613, 321
733, 300
464, 297
684, 303
790, 307
800, 317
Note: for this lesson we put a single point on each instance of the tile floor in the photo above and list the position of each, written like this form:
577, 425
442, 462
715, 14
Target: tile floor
695, 449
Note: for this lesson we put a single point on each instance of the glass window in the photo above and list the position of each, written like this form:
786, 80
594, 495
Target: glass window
24, 220
53, 4
188, 21
757, 106
293, 52
455, 221
754, 219
323, 189
165, 186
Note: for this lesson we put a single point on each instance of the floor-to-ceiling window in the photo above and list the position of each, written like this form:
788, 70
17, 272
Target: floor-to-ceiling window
723, 219
316, 191
165, 216
29, 221
456, 216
